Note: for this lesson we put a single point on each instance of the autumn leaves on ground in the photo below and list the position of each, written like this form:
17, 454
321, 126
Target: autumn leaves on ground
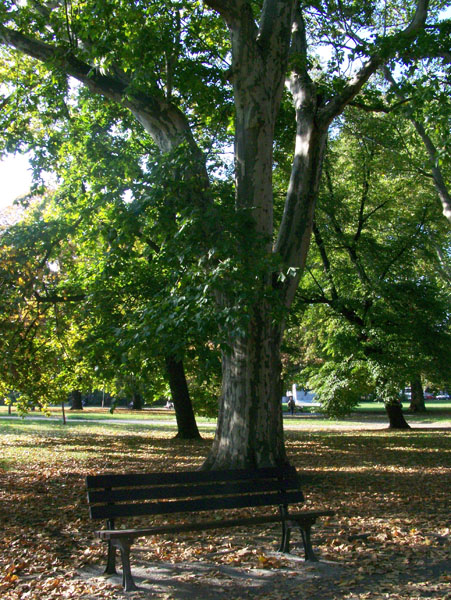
389, 538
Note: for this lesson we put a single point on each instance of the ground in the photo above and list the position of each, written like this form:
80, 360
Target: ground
389, 538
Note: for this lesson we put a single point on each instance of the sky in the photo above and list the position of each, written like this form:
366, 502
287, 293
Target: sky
15, 178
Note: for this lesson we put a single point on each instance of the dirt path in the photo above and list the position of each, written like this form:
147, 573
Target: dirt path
297, 580
211, 581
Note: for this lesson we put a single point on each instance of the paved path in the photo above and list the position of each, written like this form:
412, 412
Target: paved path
298, 422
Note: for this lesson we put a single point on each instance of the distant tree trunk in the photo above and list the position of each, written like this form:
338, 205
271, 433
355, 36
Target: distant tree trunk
75, 400
137, 401
395, 416
417, 398
184, 413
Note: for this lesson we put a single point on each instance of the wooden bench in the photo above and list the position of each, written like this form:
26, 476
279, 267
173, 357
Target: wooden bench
112, 497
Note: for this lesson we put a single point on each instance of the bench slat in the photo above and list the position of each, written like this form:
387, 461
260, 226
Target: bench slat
106, 534
197, 504
188, 477
192, 490
302, 516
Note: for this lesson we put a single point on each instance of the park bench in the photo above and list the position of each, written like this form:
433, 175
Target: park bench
112, 497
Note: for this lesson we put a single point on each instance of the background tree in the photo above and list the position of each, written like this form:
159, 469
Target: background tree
100, 291
39, 356
376, 288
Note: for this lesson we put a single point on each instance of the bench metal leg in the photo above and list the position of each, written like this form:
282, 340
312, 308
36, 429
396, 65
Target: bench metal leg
286, 529
308, 549
127, 577
111, 560
305, 526
285, 542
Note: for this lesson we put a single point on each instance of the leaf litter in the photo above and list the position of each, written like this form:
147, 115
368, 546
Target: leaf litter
389, 539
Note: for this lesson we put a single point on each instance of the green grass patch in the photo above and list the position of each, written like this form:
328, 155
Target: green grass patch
432, 406
103, 414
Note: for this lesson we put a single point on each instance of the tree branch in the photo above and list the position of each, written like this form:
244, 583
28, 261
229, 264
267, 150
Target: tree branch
337, 306
228, 9
336, 105
317, 283
325, 260
437, 175
378, 207
363, 200
297, 221
379, 107
403, 249
57, 299
443, 264
164, 121
271, 19
419, 18
350, 248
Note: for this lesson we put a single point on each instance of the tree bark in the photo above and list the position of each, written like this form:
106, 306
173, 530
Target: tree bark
184, 413
250, 430
417, 398
395, 416
76, 400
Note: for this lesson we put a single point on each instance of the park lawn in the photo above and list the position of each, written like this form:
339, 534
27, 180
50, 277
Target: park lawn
98, 413
434, 408
437, 412
389, 490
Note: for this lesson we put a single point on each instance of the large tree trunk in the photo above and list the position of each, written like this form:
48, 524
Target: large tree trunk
417, 398
184, 413
250, 427
76, 400
250, 430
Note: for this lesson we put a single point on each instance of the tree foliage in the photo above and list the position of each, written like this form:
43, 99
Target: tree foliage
377, 292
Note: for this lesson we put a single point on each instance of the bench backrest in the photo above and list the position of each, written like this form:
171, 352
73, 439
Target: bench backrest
111, 496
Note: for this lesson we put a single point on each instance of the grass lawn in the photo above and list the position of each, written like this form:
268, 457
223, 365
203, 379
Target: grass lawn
390, 491
434, 407
437, 411
96, 412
